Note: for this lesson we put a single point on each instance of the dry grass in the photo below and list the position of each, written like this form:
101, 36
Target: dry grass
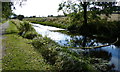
113, 17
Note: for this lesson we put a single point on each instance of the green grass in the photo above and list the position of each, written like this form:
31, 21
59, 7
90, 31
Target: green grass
20, 55
12, 29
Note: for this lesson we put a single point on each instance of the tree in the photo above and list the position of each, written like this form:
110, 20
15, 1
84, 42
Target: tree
96, 8
50, 15
20, 17
8, 6
34, 16
6, 9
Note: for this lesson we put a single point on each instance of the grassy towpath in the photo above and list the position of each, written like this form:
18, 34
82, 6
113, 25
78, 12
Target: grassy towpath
20, 55
3, 27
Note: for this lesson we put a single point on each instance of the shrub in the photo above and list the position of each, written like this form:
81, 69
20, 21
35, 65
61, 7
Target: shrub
20, 17
30, 35
47, 48
25, 27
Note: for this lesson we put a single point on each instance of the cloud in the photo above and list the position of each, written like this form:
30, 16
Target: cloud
38, 8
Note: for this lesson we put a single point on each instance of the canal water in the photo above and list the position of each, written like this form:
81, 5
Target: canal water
112, 52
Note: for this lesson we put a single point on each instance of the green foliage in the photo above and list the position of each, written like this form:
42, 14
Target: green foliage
104, 7
25, 27
30, 34
69, 7
47, 48
96, 27
8, 6
6, 9
20, 17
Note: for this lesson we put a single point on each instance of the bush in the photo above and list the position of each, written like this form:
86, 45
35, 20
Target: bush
20, 17
25, 27
47, 48
30, 35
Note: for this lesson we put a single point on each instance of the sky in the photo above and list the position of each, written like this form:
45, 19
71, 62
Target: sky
38, 8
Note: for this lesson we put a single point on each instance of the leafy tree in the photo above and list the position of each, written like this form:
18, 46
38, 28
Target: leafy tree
94, 8
50, 15
34, 16
106, 8
6, 9
20, 17
8, 6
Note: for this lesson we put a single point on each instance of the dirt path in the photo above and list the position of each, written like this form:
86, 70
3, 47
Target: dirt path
2, 48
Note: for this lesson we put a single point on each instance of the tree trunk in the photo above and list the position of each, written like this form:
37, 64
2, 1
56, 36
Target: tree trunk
85, 23
85, 13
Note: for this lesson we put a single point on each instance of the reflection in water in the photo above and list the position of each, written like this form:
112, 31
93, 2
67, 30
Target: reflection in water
80, 41
110, 53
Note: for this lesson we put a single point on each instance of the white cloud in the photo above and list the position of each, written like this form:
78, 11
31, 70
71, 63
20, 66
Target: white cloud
38, 7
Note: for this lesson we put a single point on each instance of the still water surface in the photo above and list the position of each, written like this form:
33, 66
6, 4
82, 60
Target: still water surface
111, 52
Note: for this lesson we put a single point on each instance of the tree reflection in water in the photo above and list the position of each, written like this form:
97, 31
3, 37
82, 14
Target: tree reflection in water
83, 41
105, 56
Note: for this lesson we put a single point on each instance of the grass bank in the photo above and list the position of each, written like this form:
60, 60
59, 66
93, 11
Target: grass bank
20, 55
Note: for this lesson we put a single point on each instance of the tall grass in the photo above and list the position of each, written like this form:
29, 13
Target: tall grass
25, 29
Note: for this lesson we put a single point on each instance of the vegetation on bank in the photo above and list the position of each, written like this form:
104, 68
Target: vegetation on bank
19, 55
60, 22
43, 54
